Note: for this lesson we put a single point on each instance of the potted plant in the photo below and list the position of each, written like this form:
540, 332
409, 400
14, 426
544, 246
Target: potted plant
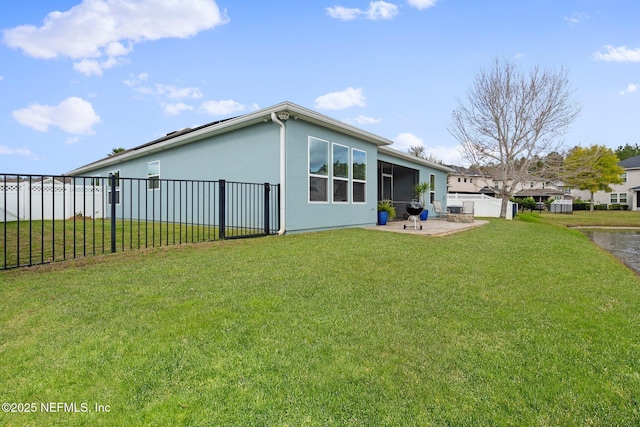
421, 190
386, 212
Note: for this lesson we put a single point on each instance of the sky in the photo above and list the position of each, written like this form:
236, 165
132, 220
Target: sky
81, 77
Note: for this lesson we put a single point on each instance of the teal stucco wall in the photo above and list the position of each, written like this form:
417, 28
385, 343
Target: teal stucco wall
303, 215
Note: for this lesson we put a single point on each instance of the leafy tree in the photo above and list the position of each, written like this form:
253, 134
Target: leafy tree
627, 151
512, 119
593, 168
115, 151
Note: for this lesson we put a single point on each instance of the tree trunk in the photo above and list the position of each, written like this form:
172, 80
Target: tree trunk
503, 208
591, 209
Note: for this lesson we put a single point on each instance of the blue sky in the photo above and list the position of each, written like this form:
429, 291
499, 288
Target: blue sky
78, 78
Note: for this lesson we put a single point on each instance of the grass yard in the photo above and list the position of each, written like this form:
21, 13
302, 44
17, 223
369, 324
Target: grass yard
587, 219
514, 323
38, 242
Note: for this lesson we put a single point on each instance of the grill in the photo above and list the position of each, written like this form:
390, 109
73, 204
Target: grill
414, 209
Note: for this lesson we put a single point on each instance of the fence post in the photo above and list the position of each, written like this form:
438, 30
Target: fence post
222, 197
267, 190
112, 184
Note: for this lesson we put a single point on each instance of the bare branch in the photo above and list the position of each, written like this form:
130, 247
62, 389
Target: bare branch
511, 119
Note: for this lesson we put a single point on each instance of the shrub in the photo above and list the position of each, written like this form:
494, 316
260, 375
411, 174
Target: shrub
581, 205
528, 203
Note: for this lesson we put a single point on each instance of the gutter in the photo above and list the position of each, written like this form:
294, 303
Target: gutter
283, 192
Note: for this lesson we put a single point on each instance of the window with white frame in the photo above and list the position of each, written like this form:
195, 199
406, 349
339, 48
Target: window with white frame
624, 177
340, 173
613, 198
318, 170
622, 198
153, 175
359, 168
432, 188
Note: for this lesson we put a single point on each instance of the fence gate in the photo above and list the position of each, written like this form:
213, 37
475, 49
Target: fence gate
51, 218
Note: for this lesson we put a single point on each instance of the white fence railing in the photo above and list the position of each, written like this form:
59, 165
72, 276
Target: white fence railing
483, 206
49, 200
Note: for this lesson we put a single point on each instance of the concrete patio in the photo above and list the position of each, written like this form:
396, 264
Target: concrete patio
430, 227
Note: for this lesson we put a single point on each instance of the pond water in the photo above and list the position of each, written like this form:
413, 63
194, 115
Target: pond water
622, 243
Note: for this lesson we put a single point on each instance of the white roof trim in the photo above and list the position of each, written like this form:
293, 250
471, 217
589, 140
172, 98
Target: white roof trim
415, 159
296, 112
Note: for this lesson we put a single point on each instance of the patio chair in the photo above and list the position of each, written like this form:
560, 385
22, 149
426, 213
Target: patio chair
468, 207
437, 209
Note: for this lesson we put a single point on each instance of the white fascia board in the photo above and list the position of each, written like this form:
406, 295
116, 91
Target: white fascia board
264, 115
415, 159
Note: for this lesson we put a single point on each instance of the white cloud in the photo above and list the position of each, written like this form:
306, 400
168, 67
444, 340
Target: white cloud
136, 80
222, 108
171, 92
377, 10
104, 31
422, 4
73, 115
576, 18
406, 140
93, 67
175, 109
518, 56
631, 87
448, 155
340, 100
363, 120
343, 13
6, 151
381, 10
618, 54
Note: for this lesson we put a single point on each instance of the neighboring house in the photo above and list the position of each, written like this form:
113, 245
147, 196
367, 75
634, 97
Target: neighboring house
540, 191
331, 174
626, 193
470, 181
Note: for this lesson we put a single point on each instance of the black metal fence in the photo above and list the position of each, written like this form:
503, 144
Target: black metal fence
46, 218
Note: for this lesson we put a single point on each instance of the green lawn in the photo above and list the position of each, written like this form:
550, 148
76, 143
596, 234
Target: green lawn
587, 219
514, 323
38, 242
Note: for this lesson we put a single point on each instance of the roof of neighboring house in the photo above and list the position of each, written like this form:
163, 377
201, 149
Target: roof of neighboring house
459, 170
188, 135
630, 163
415, 159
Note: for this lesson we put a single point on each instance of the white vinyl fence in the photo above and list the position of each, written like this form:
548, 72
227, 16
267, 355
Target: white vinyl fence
484, 206
49, 199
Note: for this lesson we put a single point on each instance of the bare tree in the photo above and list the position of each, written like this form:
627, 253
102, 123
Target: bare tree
421, 151
417, 150
511, 119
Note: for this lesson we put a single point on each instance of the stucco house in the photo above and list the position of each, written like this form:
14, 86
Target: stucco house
331, 174
470, 181
626, 193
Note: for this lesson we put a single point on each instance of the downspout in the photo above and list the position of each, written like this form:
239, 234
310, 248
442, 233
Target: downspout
283, 192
